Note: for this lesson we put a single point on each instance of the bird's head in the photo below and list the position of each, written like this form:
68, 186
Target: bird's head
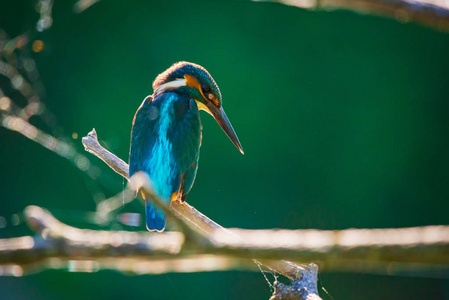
194, 81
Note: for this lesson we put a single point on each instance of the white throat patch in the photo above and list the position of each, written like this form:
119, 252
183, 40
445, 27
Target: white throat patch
171, 85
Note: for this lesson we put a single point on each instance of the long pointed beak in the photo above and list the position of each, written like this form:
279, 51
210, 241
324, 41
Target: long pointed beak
221, 118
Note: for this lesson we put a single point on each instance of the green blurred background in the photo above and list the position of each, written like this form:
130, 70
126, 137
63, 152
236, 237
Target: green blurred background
343, 118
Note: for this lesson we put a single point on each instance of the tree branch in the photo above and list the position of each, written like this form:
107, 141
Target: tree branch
184, 211
361, 250
203, 245
430, 13
60, 246
352, 249
91, 145
191, 216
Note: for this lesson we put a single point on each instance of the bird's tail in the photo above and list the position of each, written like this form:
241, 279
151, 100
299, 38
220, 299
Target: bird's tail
154, 216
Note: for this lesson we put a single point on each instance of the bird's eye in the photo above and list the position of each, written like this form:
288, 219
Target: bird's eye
206, 88
208, 94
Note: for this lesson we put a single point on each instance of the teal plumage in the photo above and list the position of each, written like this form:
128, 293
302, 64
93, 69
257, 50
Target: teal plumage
165, 144
166, 133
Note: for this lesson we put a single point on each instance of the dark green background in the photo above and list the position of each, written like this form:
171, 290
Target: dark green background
343, 118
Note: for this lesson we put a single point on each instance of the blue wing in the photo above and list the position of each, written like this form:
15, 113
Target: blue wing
165, 143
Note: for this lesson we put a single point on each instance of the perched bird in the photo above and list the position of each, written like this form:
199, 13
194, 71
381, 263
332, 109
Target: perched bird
166, 133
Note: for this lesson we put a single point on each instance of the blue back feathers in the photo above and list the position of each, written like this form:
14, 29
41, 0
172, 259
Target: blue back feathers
165, 142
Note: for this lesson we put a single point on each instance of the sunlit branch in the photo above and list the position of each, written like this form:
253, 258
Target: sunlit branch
82, 5
431, 13
356, 249
57, 245
189, 214
428, 244
106, 207
92, 145
201, 223
212, 247
360, 250
335, 250
369, 245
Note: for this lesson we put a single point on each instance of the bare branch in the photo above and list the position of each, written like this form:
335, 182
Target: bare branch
352, 249
361, 250
358, 249
430, 13
82, 5
191, 216
335, 249
213, 247
184, 211
92, 145
60, 246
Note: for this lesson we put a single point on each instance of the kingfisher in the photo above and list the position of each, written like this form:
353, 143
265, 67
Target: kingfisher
166, 133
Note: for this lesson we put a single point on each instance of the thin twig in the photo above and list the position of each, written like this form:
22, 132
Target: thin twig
92, 145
